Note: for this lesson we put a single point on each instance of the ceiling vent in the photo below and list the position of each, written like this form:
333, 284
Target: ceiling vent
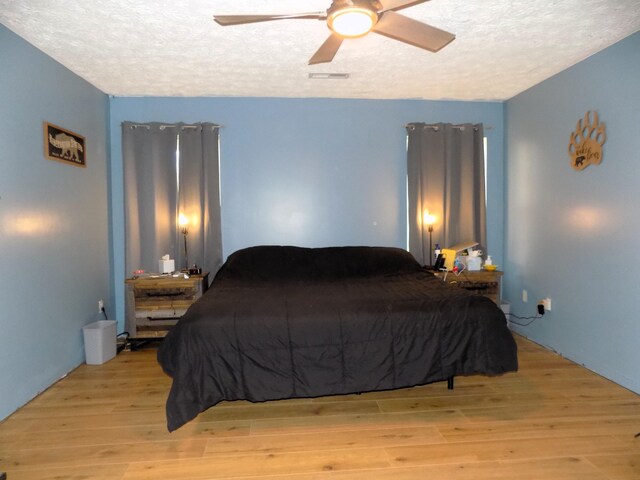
329, 76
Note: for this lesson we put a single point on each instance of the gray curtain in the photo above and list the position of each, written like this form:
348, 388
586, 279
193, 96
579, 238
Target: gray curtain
156, 193
445, 175
150, 194
199, 195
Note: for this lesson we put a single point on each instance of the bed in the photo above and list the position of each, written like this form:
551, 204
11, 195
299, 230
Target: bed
286, 322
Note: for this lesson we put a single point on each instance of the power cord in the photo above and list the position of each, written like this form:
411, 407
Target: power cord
532, 319
120, 345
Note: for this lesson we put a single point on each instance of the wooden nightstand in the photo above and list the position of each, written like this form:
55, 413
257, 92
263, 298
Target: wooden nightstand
481, 282
156, 303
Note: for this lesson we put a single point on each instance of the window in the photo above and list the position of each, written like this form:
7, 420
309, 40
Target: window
446, 179
169, 171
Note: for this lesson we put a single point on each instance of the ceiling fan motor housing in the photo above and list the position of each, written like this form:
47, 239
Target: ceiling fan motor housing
374, 5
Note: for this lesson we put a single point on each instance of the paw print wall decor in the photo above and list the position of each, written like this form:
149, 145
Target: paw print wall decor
585, 143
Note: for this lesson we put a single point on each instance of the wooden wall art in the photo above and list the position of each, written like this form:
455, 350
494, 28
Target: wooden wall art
64, 145
585, 143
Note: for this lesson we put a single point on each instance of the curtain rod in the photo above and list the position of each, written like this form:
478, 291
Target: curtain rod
457, 127
162, 126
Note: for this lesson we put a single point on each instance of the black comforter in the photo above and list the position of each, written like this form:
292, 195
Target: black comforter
283, 322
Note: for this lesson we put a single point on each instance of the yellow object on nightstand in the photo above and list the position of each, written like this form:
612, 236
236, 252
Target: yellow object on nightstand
449, 257
452, 252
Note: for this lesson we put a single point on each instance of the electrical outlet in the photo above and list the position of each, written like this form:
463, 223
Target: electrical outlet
547, 304
525, 296
100, 306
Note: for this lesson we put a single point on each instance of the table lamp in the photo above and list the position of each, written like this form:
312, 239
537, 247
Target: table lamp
429, 220
183, 222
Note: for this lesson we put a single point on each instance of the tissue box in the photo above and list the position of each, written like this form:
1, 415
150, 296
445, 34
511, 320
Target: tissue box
474, 264
166, 266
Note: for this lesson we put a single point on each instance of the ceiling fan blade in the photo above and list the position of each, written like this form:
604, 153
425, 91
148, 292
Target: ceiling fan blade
328, 50
226, 20
398, 4
408, 30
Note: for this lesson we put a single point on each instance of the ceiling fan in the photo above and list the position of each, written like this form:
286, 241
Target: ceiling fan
356, 18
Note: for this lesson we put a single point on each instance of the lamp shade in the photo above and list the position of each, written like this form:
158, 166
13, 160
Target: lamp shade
428, 219
183, 223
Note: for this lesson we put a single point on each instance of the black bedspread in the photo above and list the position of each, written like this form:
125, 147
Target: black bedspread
283, 322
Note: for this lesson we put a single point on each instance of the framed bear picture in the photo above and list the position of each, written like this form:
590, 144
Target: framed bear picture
63, 145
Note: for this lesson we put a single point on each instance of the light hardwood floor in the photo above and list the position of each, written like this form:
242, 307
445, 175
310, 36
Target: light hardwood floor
552, 420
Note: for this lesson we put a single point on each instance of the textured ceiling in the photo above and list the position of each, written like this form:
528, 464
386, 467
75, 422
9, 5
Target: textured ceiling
173, 48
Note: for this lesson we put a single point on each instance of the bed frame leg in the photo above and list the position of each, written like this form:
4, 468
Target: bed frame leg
450, 383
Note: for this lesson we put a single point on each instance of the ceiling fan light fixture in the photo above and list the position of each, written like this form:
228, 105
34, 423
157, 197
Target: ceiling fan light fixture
352, 21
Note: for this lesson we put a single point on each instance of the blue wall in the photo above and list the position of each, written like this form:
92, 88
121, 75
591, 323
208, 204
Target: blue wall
53, 221
309, 172
570, 235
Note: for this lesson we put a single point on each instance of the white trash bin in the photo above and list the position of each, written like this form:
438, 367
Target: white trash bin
99, 341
